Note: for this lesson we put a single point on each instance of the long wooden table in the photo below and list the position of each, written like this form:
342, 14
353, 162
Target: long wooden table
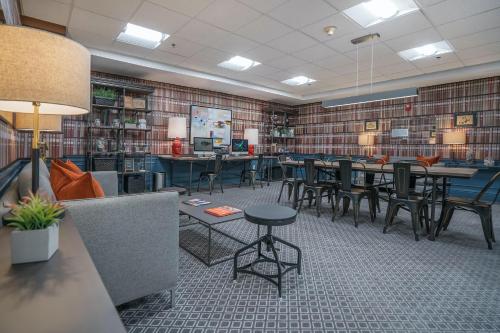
191, 160
64, 294
434, 173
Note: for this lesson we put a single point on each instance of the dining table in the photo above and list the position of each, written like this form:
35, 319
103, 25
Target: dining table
435, 173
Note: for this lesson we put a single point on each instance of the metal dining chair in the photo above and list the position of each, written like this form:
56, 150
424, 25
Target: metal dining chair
285, 180
253, 171
213, 174
476, 205
312, 187
404, 195
349, 193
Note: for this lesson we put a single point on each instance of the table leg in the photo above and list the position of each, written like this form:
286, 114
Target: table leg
209, 245
295, 193
190, 177
433, 210
269, 170
443, 198
171, 173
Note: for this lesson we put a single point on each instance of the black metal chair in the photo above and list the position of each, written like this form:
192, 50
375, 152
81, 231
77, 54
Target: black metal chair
212, 175
476, 205
330, 179
348, 192
253, 171
312, 187
285, 180
404, 195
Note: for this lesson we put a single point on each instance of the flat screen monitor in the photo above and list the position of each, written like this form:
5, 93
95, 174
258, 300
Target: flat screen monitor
203, 145
239, 146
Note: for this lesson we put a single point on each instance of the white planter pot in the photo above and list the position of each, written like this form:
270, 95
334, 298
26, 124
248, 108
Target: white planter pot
128, 125
34, 245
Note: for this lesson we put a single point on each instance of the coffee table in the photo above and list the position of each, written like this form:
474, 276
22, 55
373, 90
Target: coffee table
209, 221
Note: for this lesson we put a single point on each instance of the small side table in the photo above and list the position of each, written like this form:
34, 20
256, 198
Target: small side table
269, 216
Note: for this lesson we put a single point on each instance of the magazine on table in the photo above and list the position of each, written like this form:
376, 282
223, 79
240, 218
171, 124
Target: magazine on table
222, 211
196, 202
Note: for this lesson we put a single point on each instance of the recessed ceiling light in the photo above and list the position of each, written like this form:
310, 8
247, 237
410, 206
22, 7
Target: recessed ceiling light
238, 63
298, 81
377, 11
140, 36
424, 51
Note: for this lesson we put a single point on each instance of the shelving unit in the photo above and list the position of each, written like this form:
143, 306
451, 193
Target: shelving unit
279, 130
111, 143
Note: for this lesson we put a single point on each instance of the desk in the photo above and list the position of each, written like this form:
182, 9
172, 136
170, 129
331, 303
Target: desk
433, 172
64, 294
192, 159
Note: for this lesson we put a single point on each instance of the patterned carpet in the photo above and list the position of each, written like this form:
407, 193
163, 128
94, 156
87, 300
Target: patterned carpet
353, 280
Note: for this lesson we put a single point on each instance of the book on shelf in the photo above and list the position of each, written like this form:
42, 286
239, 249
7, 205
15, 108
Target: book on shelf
196, 202
222, 211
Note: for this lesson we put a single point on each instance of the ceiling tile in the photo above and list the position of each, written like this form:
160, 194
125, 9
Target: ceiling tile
209, 56
452, 10
405, 25
299, 13
395, 68
470, 25
414, 40
316, 52
427, 3
186, 7
165, 57
343, 44
263, 29
262, 5
263, 53
159, 18
233, 43
200, 32
433, 61
341, 5
279, 76
263, 69
442, 67
479, 51
119, 9
344, 27
477, 39
183, 47
47, 10
336, 61
404, 74
228, 14
292, 42
97, 24
129, 49
482, 60
286, 62
90, 39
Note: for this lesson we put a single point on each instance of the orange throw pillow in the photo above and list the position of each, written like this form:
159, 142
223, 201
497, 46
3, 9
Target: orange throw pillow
84, 187
68, 165
383, 160
60, 176
429, 161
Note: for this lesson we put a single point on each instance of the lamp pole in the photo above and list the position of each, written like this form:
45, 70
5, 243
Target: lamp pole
35, 149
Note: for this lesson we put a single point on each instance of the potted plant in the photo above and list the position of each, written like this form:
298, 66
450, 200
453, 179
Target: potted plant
130, 123
36, 237
104, 96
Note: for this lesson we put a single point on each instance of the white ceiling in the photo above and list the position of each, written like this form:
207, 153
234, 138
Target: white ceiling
286, 36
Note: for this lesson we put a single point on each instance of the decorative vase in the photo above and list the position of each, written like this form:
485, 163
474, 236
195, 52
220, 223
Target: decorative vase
34, 245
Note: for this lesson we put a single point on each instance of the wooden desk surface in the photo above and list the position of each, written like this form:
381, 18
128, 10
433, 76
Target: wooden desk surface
62, 295
189, 158
435, 171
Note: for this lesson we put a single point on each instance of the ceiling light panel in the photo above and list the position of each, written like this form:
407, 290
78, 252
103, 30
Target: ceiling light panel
141, 36
298, 81
372, 12
428, 50
238, 63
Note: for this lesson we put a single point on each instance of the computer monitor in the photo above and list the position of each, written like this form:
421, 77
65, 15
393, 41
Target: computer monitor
203, 146
239, 146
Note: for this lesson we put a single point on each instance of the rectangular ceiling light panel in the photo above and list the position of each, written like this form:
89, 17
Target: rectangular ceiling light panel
428, 50
298, 81
140, 36
238, 63
372, 12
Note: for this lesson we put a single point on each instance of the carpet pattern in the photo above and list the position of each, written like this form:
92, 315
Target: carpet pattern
353, 280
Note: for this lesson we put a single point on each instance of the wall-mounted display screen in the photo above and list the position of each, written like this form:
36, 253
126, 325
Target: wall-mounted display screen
211, 123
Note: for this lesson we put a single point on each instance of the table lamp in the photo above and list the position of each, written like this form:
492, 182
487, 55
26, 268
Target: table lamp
177, 130
365, 139
454, 138
42, 73
252, 135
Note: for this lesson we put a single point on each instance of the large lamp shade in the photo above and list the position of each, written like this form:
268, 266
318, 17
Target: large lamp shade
47, 122
42, 73
177, 130
366, 140
252, 135
454, 138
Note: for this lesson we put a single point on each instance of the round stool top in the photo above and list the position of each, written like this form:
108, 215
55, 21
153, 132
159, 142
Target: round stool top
180, 190
271, 215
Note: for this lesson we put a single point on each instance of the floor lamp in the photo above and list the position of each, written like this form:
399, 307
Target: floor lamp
42, 73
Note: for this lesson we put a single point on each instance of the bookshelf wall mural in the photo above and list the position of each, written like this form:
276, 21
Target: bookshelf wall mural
427, 117
317, 130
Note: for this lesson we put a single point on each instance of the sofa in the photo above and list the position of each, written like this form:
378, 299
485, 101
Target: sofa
133, 239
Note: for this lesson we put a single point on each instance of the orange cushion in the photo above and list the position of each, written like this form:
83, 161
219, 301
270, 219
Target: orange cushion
429, 160
383, 160
60, 176
68, 165
84, 187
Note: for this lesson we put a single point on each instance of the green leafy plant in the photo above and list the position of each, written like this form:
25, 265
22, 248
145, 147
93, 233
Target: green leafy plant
130, 121
35, 212
104, 92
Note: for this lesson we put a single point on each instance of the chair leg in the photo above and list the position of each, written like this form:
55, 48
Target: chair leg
199, 181
447, 214
426, 218
291, 189
415, 222
388, 216
486, 229
318, 202
490, 217
371, 207
302, 199
310, 197
336, 207
346, 203
356, 203
281, 191
221, 184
